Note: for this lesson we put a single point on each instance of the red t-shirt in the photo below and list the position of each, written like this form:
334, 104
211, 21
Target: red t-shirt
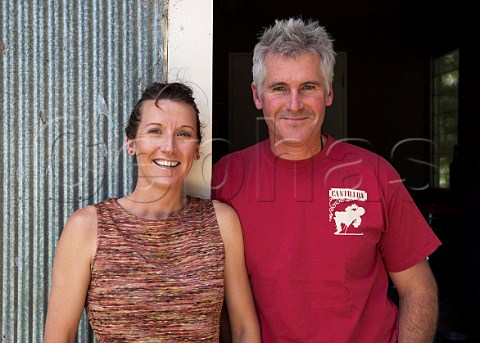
320, 235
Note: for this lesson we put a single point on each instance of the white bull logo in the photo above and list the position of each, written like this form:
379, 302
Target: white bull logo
351, 216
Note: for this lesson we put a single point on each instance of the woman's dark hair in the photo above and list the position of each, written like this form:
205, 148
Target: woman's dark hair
163, 91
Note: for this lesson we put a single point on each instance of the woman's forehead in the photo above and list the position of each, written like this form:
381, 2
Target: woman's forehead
167, 110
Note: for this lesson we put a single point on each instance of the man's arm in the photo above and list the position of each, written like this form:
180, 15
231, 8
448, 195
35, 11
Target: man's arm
417, 291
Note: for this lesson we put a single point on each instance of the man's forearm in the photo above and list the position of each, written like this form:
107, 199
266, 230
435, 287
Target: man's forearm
418, 317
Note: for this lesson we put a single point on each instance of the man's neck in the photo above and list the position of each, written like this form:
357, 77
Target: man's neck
296, 152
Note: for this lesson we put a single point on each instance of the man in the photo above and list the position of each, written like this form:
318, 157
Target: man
325, 223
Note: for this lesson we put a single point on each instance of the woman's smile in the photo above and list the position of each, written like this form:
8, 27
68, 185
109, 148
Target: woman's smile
166, 164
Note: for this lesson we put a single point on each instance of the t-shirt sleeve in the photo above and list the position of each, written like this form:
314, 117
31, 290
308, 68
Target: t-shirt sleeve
228, 176
407, 238
216, 188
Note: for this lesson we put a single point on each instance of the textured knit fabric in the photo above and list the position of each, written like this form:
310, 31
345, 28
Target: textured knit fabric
157, 280
320, 235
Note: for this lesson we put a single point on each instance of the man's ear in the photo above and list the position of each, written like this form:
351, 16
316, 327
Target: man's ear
329, 99
256, 97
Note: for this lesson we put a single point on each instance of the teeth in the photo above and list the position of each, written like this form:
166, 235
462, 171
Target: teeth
163, 163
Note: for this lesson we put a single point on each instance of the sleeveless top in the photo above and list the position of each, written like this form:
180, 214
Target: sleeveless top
157, 280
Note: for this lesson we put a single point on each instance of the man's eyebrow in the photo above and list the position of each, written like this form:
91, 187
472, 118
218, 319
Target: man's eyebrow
275, 84
317, 83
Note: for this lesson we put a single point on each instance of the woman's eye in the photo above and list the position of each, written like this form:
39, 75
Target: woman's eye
154, 131
185, 134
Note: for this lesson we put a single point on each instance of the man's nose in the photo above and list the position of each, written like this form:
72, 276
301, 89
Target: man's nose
294, 102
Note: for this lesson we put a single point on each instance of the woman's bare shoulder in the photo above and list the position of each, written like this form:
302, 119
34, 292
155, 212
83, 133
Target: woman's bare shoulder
82, 223
224, 210
228, 222
84, 215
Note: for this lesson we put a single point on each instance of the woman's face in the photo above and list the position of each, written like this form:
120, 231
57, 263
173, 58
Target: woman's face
166, 144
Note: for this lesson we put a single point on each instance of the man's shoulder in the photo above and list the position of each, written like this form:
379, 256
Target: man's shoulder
241, 156
349, 146
346, 147
363, 160
228, 174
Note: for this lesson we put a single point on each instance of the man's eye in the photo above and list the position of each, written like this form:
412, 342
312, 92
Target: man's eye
309, 87
279, 89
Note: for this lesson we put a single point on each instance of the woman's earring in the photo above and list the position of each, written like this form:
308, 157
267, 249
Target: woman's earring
131, 152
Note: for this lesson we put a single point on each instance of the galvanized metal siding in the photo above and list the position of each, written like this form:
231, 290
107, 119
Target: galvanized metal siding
70, 74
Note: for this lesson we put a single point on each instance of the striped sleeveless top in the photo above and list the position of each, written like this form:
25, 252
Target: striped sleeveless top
157, 280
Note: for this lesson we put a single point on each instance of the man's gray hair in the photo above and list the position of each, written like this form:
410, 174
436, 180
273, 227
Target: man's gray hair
291, 38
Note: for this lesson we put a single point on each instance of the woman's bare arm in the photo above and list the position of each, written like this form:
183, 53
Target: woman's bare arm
71, 276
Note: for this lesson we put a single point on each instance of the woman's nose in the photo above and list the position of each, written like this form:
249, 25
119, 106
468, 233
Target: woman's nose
167, 145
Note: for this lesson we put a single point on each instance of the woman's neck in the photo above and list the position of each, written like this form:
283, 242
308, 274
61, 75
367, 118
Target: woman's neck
154, 204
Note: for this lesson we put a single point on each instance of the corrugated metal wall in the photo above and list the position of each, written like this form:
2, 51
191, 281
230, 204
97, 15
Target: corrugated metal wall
70, 73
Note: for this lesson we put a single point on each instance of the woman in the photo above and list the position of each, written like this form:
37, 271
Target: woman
155, 265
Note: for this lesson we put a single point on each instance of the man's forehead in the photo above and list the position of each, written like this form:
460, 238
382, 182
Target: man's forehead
299, 70
290, 56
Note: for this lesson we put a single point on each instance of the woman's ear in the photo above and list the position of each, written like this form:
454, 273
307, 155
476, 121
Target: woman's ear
130, 146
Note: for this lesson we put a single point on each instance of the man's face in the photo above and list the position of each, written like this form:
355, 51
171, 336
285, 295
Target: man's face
293, 100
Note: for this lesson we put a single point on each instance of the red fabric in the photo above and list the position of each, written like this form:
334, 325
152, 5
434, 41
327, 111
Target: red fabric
310, 284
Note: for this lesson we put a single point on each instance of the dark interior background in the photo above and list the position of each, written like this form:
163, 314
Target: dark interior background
389, 46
